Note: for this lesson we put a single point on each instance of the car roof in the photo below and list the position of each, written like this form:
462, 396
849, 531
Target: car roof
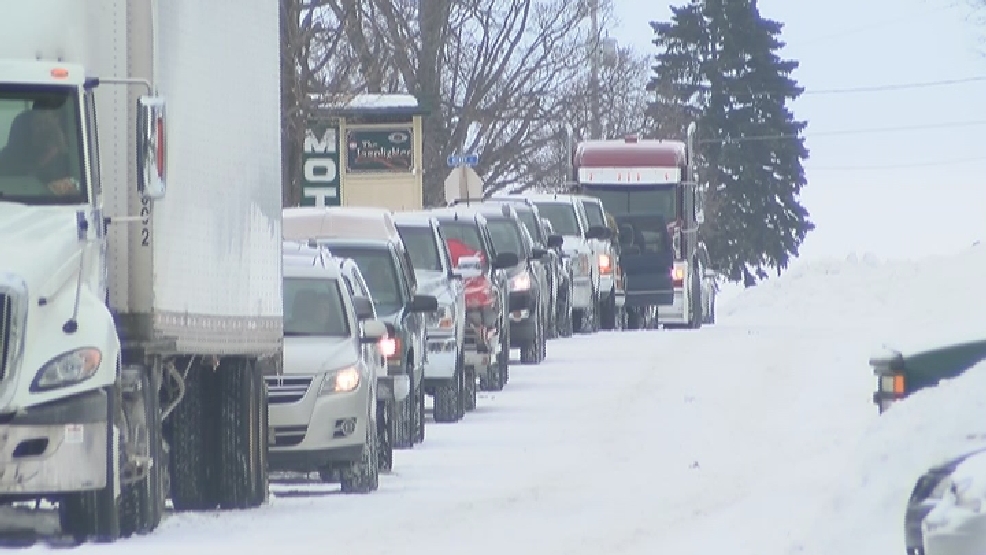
310, 222
459, 213
419, 218
343, 242
560, 198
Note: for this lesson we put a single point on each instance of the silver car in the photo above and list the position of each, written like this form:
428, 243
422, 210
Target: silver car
322, 401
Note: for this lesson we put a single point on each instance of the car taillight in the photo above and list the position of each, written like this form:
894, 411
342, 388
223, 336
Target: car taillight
678, 275
388, 346
605, 264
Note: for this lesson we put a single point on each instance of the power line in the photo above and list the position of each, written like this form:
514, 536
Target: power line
874, 25
843, 132
939, 163
897, 86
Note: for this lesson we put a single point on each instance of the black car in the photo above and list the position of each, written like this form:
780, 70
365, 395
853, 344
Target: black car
487, 334
527, 281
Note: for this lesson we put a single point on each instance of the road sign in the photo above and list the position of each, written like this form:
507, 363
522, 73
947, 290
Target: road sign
471, 160
463, 183
453, 161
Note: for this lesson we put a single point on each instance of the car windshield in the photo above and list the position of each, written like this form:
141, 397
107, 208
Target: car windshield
462, 238
377, 267
40, 146
530, 222
421, 246
562, 217
506, 237
595, 214
314, 308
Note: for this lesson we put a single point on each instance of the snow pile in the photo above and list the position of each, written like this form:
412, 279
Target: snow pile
866, 514
898, 303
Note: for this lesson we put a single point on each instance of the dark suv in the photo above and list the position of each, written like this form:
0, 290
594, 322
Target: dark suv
387, 269
530, 216
527, 281
487, 334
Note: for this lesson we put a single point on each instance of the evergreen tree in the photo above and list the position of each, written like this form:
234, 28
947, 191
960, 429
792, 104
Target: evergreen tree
718, 65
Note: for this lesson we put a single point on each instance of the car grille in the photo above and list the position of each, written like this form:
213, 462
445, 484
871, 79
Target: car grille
6, 327
288, 436
287, 389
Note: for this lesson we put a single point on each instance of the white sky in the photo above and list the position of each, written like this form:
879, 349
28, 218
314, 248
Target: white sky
917, 200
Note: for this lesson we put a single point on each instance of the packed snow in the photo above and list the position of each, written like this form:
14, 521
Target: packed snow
754, 436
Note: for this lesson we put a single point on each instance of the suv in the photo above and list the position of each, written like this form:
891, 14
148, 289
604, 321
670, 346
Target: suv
444, 328
563, 285
390, 389
322, 403
529, 215
568, 218
611, 297
528, 282
369, 236
487, 333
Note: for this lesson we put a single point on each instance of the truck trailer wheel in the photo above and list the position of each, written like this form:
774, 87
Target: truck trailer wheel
240, 415
192, 450
96, 515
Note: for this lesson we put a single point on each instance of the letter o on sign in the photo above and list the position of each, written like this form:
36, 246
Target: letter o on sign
321, 170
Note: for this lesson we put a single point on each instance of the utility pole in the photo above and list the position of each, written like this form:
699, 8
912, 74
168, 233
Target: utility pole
595, 125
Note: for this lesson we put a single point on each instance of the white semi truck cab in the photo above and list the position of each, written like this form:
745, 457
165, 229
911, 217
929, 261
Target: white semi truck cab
140, 257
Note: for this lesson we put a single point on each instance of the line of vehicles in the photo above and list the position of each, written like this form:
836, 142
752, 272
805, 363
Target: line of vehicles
171, 335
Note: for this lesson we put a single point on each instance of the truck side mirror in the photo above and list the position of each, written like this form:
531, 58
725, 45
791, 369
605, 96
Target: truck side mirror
152, 149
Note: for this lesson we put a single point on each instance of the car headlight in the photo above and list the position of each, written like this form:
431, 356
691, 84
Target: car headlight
340, 381
443, 318
521, 282
67, 369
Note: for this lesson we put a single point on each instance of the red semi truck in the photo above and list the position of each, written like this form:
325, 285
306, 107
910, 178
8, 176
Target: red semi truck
650, 188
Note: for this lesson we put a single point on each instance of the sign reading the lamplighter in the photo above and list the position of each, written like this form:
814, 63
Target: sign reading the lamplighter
379, 150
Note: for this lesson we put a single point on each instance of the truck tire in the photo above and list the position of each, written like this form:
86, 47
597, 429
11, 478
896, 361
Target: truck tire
363, 476
96, 515
697, 316
262, 476
448, 399
240, 414
403, 416
192, 440
385, 436
419, 419
472, 390
147, 497
607, 312
533, 352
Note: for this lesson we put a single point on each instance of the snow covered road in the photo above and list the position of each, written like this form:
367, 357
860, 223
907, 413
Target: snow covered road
619, 443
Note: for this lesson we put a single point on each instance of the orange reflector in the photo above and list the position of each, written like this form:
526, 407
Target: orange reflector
899, 384
59, 73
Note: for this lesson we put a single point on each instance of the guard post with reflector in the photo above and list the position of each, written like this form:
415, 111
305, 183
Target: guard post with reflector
891, 378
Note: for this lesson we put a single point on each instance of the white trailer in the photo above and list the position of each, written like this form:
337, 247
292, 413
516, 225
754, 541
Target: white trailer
140, 296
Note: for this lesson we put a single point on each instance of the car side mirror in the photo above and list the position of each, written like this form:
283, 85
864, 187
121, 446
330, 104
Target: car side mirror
539, 253
555, 241
423, 303
363, 307
373, 330
152, 151
598, 232
506, 260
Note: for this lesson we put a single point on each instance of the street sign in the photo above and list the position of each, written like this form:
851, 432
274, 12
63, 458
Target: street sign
453, 161
463, 183
471, 160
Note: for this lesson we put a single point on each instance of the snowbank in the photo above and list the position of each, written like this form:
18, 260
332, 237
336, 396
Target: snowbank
866, 513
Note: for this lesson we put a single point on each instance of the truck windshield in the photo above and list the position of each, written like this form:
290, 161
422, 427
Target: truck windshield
636, 200
562, 217
380, 273
41, 146
314, 308
421, 246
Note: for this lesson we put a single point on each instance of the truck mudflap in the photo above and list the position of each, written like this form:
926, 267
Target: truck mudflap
393, 388
57, 447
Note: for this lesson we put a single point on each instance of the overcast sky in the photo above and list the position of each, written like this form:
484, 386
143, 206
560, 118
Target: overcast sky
905, 193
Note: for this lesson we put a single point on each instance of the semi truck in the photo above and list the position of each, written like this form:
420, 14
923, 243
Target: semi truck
140, 256
651, 189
